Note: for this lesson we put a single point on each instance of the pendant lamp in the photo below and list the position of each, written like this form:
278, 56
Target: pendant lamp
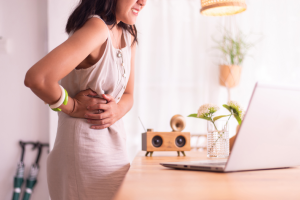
222, 7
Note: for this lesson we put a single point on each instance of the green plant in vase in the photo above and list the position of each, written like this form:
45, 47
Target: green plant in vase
207, 112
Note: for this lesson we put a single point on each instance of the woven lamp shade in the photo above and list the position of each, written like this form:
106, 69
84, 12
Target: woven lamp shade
222, 7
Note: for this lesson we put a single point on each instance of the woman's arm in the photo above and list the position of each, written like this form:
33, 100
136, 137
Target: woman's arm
42, 78
113, 111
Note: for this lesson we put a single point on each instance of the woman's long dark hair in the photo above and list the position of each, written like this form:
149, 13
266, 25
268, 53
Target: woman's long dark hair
106, 9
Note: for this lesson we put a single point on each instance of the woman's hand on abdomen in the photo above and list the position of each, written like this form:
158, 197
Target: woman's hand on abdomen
82, 100
110, 113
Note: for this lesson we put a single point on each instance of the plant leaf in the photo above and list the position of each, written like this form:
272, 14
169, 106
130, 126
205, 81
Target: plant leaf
195, 115
219, 117
238, 119
227, 107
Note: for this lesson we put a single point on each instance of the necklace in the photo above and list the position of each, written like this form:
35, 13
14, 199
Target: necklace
119, 52
120, 55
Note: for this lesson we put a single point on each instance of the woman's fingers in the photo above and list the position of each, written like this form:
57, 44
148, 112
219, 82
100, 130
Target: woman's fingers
88, 92
108, 97
101, 101
98, 106
102, 115
95, 112
100, 124
97, 100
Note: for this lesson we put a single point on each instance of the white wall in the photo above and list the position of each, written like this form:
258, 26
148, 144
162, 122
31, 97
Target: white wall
23, 115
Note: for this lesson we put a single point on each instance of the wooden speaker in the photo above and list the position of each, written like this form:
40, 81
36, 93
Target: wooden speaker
167, 141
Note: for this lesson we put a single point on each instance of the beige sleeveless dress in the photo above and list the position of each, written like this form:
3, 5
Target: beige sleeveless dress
89, 164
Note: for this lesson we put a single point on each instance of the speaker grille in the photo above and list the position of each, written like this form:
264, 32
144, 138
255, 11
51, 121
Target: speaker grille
180, 141
157, 141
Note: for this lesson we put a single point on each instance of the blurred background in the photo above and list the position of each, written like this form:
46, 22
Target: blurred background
177, 68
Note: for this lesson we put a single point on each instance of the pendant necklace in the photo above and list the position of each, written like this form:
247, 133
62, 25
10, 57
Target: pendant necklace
119, 54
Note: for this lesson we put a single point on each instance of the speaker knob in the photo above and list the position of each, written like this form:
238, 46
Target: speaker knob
180, 141
157, 141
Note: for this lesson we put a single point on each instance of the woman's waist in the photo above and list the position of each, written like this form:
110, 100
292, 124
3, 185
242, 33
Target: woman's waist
63, 117
80, 126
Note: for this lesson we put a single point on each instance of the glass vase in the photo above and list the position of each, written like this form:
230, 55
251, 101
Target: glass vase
217, 139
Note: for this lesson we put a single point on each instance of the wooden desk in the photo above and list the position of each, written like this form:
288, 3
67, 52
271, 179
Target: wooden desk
147, 180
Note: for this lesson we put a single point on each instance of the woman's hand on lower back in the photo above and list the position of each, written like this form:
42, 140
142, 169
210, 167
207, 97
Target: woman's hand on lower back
84, 99
110, 113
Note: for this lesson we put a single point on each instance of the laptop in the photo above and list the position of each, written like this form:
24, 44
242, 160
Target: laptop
269, 136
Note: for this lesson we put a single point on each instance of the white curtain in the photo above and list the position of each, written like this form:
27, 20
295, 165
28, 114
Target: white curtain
177, 66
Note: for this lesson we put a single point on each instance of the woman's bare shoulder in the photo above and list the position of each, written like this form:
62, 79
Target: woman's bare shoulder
93, 31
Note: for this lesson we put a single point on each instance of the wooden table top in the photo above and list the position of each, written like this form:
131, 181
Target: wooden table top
147, 180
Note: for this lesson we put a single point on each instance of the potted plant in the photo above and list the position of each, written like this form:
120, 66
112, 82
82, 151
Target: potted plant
234, 49
218, 135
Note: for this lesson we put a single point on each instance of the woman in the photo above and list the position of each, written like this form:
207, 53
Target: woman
89, 160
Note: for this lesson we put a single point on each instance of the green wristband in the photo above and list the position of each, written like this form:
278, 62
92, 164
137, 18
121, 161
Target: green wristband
66, 97
56, 109
64, 102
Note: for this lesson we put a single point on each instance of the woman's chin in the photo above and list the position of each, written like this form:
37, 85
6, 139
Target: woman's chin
129, 21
